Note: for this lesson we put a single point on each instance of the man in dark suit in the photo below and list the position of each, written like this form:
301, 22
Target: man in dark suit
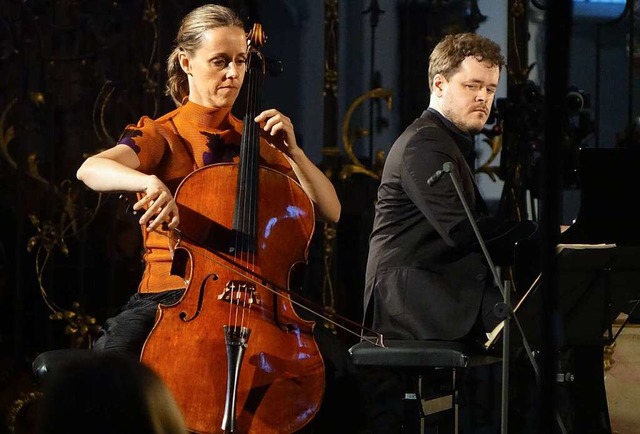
426, 275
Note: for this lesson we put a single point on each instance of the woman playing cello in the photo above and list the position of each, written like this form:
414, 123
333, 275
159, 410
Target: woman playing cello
205, 72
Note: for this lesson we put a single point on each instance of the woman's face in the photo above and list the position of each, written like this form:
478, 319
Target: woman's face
217, 67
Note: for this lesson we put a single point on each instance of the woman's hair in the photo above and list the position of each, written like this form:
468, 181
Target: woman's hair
448, 54
107, 393
188, 39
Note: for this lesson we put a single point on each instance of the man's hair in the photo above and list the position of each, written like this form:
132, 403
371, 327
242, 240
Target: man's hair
188, 39
448, 54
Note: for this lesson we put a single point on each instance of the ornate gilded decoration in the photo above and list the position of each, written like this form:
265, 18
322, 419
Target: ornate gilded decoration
331, 44
151, 71
99, 126
67, 69
50, 237
328, 295
493, 139
7, 133
330, 150
517, 118
349, 136
24, 399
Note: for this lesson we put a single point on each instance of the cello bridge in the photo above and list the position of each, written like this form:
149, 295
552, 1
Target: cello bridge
240, 292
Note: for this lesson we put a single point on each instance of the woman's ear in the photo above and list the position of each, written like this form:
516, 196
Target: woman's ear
184, 60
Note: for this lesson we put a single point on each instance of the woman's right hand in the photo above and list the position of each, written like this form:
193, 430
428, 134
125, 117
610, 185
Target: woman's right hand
159, 204
114, 169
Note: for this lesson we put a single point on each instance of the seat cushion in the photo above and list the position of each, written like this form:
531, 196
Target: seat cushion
50, 361
420, 354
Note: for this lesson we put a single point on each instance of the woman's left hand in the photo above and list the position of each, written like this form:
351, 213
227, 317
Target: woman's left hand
277, 130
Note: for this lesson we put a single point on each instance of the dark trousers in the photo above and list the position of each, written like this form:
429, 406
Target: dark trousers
127, 331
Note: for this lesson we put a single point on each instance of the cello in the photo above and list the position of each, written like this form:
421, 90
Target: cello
233, 351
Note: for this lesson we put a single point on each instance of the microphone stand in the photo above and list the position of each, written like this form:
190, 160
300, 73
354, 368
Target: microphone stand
506, 310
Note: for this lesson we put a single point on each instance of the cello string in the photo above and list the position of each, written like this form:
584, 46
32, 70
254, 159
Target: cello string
282, 292
250, 207
311, 307
247, 192
244, 166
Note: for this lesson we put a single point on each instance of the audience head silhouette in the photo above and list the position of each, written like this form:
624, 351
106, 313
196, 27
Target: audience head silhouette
107, 394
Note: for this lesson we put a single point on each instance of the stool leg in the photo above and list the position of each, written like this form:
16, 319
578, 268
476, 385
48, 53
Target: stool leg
423, 415
455, 402
413, 417
439, 403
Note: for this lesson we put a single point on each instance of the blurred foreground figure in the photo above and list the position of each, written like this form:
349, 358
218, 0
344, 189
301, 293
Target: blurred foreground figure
107, 394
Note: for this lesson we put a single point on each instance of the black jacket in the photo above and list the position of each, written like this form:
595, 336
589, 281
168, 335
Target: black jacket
425, 272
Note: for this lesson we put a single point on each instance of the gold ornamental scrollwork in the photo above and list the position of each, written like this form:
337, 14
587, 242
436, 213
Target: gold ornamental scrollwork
349, 136
50, 237
493, 139
328, 295
24, 400
7, 134
51, 233
331, 50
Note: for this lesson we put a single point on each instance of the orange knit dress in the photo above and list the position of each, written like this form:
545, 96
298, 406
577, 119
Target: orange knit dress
171, 147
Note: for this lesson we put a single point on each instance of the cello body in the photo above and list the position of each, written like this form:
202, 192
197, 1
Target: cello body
280, 378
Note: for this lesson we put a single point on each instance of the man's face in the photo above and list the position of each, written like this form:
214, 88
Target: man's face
466, 98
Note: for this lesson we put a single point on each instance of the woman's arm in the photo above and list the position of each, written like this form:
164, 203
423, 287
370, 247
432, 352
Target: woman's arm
317, 186
115, 170
278, 131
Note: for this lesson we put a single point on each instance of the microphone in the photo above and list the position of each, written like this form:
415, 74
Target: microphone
446, 168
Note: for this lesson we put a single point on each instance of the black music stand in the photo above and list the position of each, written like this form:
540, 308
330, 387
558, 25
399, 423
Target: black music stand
595, 284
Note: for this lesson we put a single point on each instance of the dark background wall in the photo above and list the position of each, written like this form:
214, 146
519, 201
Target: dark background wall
74, 73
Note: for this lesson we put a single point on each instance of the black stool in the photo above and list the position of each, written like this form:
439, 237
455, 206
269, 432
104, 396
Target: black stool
50, 361
416, 356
